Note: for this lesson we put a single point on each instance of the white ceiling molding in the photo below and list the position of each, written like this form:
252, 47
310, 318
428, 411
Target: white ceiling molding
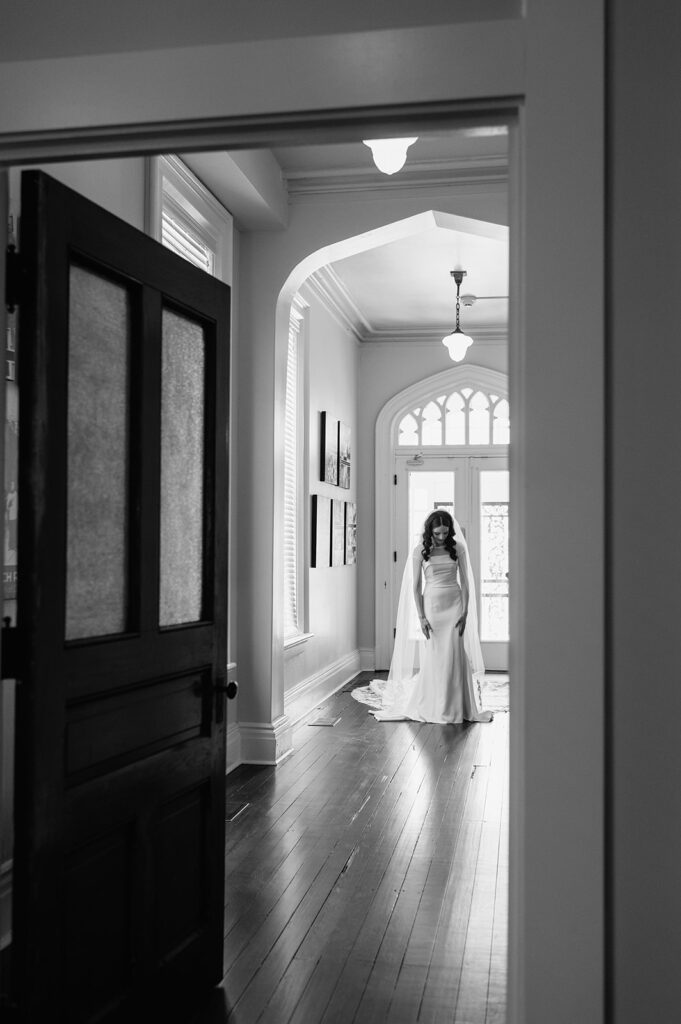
482, 334
328, 289
425, 176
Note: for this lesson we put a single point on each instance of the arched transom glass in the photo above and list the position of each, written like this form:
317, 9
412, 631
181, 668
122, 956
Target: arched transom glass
466, 416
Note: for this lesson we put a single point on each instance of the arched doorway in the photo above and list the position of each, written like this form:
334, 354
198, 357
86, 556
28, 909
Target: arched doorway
443, 442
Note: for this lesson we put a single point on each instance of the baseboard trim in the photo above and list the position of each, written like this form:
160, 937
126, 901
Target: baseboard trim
266, 742
367, 659
233, 740
301, 700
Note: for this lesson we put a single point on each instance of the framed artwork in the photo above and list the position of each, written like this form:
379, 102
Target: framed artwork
337, 532
321, 532
328, 449
350, 532
343, 455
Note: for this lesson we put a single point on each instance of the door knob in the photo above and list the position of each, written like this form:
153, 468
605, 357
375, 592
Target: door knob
230, 689
223, 689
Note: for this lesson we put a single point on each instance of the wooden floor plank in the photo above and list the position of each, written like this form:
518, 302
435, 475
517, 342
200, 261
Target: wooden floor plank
471, 1005
367, 878
342, 1006
442, 983
262, 985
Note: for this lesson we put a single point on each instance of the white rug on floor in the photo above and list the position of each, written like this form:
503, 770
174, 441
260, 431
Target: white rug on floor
495, 695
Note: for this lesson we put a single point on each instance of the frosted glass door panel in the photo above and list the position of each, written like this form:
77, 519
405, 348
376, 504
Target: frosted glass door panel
182, 475
97, 453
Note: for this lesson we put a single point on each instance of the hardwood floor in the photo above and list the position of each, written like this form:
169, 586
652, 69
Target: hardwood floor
367, 877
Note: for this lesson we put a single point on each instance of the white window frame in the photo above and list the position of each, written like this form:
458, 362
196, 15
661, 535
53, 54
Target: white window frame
172, 186
387, 425
298, 324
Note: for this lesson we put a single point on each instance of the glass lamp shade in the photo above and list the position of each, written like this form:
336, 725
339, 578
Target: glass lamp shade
389, 154
457, 344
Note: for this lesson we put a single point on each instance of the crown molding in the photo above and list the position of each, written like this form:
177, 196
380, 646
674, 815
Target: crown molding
484, 334
429, 176
326, 286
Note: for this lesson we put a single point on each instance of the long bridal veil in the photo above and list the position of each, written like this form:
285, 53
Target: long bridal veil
409, 639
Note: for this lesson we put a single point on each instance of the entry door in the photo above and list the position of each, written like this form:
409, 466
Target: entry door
122, 619
475, 490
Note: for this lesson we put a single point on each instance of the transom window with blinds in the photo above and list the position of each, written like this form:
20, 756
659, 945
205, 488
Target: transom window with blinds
187, 218
180, 235
294, 446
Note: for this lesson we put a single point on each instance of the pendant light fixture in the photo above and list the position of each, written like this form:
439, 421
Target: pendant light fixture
389, 154
457, 342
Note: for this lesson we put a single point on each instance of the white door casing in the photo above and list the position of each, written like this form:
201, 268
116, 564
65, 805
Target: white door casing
386, 496
456, 475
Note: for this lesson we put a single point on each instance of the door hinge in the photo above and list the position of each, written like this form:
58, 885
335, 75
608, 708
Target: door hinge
395, 479
394, 556
15, 278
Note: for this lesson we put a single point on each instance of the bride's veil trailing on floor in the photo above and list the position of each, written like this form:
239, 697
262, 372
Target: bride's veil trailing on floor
409, 639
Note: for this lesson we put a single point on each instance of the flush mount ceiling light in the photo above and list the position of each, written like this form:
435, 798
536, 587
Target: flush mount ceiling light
389, 154
457, 342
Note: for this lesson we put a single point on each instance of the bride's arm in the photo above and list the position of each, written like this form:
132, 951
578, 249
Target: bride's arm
461, 622
418, 592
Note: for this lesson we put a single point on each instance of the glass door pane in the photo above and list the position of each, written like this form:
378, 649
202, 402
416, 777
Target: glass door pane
428, 491
182, 470
493, 577
97, 539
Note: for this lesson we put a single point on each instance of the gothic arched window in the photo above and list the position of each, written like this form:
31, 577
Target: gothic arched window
466, 416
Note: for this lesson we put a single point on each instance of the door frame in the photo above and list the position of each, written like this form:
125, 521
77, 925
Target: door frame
557, 163
494, 652
466, 375
468, 462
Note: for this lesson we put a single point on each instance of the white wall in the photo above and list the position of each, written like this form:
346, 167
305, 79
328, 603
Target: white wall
332, 592
385, 369
117, 185
72, 27
551, 61
273, 265
645, 512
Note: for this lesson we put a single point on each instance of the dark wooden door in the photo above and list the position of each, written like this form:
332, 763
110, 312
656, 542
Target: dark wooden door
122, 615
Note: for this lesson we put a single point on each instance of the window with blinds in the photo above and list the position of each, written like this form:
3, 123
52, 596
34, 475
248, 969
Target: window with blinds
291, 468
177, 234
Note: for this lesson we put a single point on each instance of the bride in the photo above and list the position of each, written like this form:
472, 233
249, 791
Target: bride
437, 663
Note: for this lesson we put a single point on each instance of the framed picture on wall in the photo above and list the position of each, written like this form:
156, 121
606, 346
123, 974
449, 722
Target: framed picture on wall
343, 455
320, 556
350, 532
337, 532
328, 449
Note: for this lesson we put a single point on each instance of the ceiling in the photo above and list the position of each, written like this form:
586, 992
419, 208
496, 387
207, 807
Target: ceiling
403, 288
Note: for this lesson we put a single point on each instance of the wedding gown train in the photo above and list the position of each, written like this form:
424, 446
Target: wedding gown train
444, 689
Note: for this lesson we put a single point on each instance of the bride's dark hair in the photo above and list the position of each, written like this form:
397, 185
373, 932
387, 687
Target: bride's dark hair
439, 517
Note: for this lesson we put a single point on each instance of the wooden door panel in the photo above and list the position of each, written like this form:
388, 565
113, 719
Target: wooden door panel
99, 954
122, 612
132, 725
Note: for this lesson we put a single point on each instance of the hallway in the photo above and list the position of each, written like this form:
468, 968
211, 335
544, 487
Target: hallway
367, 876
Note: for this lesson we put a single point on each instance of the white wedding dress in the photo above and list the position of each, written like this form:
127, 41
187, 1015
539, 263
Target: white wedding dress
439, 682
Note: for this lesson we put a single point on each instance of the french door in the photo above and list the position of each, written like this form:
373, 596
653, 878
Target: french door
120, 766
475, 490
